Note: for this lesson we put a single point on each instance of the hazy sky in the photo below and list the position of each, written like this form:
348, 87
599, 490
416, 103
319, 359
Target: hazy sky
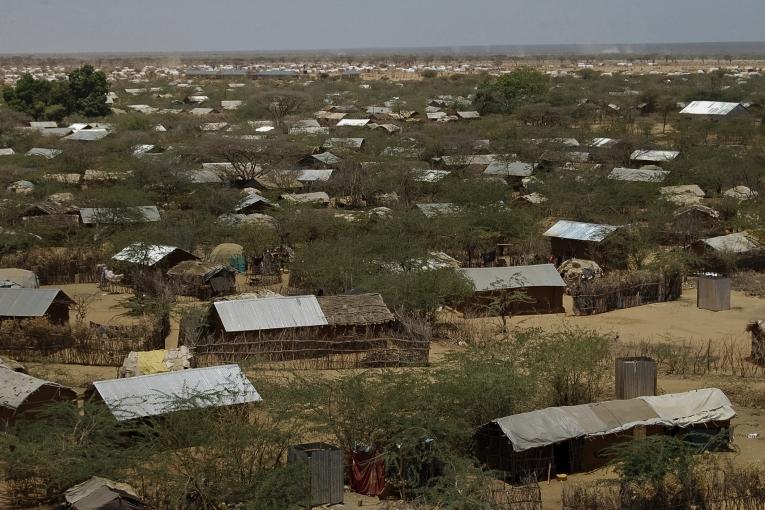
45, 26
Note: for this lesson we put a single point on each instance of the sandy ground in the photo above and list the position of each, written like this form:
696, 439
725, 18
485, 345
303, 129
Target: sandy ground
678, 321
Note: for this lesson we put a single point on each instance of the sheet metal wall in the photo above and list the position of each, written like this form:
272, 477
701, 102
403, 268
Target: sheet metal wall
326, 467
713, 294
635, 377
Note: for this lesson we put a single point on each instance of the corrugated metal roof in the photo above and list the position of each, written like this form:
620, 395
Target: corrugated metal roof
7, 151
16, 387
578, 231
512, 169
637, 174
515, 277
28, 302
250, 200
88, 135
204, 176
327, 158
711, 108
654, 155
314, 197
157, 394
344, 143
352, 122
270, 313
145, 254
313, 175
140, 214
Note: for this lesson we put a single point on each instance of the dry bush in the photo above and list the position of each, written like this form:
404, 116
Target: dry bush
750, 283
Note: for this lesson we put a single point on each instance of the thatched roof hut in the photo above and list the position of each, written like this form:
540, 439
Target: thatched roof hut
229, 254
203, 279
359, 309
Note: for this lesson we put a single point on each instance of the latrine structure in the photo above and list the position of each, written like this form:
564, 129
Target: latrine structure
310, 331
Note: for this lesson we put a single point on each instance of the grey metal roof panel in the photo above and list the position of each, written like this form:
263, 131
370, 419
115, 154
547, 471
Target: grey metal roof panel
511, 169
139, 214
712, 108
655, 156
280, 312
738, 242
88, 135
578, 231
251, 199
158, 394
28, 302
637, 174
515, 277
145, 254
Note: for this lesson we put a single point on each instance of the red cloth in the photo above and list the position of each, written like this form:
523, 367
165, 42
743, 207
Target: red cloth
367, 473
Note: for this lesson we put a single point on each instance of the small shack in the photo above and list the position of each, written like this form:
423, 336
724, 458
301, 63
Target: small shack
325, 465
21, 393
22, 303
98, 493
151, 256
635, 377
713, 292
158, 394
575, 239
514, 290
203, 279
572, 439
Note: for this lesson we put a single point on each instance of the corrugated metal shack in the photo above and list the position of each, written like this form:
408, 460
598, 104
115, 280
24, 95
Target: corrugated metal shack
327, 331
325, 463
571, 439
635, 377
575, 239
20, 303
514, 290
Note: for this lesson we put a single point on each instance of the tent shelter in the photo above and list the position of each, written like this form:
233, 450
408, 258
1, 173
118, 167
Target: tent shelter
98, 493
21, 393
572, 438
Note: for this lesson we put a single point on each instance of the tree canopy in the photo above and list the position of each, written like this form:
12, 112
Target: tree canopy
83, 92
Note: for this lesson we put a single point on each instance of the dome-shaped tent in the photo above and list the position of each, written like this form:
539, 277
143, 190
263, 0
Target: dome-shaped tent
229, 254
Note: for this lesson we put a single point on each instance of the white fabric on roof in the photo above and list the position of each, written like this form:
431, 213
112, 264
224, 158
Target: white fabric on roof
556, 424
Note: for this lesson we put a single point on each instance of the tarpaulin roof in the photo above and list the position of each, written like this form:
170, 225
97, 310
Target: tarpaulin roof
98, 493
157, 394
556, 424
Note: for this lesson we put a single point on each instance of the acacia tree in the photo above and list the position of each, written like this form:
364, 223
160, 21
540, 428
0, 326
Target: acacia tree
283, 104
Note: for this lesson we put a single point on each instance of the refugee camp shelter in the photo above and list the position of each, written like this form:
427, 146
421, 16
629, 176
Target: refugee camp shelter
152, 256
147, 396
571, 439
21, 393
714, 110
229, 254
653, 156
342, 328
637, 174
203, 279
13, 278
514, 290
119, 215
23, 303
748, 247
252, 203
575, 239
98, 493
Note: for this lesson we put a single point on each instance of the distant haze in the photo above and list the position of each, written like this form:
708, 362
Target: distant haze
135, 26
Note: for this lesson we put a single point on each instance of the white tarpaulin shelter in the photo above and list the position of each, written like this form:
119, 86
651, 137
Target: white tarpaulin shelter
557, 424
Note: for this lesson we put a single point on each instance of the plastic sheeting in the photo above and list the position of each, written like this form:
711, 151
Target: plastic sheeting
557, 424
